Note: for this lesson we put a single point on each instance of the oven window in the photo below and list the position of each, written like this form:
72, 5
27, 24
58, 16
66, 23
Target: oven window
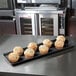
26, 26
47, 26
6, 4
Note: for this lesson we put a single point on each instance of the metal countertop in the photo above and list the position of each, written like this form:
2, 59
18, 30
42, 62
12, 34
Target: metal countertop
59, 65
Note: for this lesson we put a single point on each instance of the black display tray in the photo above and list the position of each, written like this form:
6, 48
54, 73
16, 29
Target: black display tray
68, 44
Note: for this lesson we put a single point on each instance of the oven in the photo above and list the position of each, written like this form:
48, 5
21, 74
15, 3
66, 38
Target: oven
6, 7
39, 21
44, 17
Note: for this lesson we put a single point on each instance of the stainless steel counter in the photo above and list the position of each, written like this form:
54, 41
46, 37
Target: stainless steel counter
63, 64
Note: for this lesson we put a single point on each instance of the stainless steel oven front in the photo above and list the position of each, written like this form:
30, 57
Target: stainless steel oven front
36, 21
48, 24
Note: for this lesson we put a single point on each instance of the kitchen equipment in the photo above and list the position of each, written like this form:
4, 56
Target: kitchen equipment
45, 17
39, 20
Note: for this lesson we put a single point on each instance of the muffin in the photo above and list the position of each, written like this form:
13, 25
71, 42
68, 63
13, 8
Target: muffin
29, 53
32, 45
18, 50
43, 49
59, 45
61, 38
47, 42
13, 57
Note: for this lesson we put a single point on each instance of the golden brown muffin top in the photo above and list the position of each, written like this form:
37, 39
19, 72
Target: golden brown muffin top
59, 43
29, 51
43, 48
13, 57
61, 38
18, 50
32, 45
47, 42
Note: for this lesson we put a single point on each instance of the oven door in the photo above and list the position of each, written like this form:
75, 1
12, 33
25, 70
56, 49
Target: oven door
26, 23
6, 4
48, 24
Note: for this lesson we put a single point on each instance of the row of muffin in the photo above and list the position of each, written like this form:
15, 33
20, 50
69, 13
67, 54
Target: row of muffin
32, 48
